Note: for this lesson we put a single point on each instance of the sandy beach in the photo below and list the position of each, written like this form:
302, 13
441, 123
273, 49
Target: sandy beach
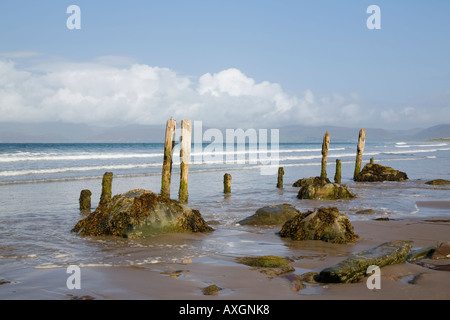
184, 280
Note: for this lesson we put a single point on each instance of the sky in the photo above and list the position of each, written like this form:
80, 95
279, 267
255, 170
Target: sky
234, 64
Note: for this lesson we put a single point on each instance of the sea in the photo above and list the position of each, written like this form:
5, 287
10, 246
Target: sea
40, 185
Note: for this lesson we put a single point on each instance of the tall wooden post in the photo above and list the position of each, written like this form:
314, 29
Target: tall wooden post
167, 163
105, 197
337, 175
227, 183
280, 178
359, 152
325, 146
185, 153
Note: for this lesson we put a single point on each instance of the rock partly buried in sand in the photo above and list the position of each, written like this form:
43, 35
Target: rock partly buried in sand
442, 251
355, 267
326, 224
140, 213
271, 215
379, 173
269, 265
438, 182
322, 189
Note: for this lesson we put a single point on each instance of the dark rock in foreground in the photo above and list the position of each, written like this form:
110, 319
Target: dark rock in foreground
326, 224
140, 213
355, 266
438, 182
322, 189
442, 251
379, 173
271, 215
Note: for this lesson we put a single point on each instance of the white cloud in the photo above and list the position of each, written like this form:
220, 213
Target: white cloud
112, 91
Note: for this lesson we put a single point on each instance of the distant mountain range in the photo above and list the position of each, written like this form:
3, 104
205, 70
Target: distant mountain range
56, 132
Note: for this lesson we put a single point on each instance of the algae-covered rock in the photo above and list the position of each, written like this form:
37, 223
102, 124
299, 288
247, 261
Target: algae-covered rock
269, 265
271, 215
264, 261
355, 266
438, 182
323, 189
211, 290
420, 253
139, 213
326, 224
378, 173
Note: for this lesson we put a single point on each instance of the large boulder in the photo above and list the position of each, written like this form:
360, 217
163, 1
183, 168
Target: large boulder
140, 213
322, 189
326, 224
378, 173
355, 267
271, 215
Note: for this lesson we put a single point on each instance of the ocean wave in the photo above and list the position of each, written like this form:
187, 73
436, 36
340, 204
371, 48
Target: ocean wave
75, 169
27, 156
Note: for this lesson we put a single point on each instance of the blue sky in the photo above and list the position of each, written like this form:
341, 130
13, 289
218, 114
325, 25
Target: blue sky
292, 56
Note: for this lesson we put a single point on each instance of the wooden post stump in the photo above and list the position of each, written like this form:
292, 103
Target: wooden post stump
372, 160
167, 163
359, 152
85, 200
337, 175
105, 198
185, 153
227, 183
325, 146
280, 178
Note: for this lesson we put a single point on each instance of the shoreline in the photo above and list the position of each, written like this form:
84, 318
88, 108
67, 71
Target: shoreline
185, 280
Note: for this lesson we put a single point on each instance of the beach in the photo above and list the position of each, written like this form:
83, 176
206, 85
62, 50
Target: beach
37, 245
185, 279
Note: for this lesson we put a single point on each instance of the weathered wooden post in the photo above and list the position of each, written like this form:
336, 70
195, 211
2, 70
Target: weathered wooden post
325, 146
372, 160
280, 178
105, 197
227, 183
167, 163
359, 152
85, 200
185, 153
337, 175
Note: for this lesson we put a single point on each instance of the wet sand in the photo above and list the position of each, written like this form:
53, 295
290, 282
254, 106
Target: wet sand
184, 280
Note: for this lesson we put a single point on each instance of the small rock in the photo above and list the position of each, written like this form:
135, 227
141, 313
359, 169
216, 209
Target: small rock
421, 253
211, 290
271, 215
365, 211
442, 251
438, 182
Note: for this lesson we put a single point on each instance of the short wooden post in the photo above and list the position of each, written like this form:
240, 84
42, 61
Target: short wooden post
337, 175
359, 152
280, 178
227, 183
325, 146
185, 153
167, 163
85, 200
372, 160
105, 197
